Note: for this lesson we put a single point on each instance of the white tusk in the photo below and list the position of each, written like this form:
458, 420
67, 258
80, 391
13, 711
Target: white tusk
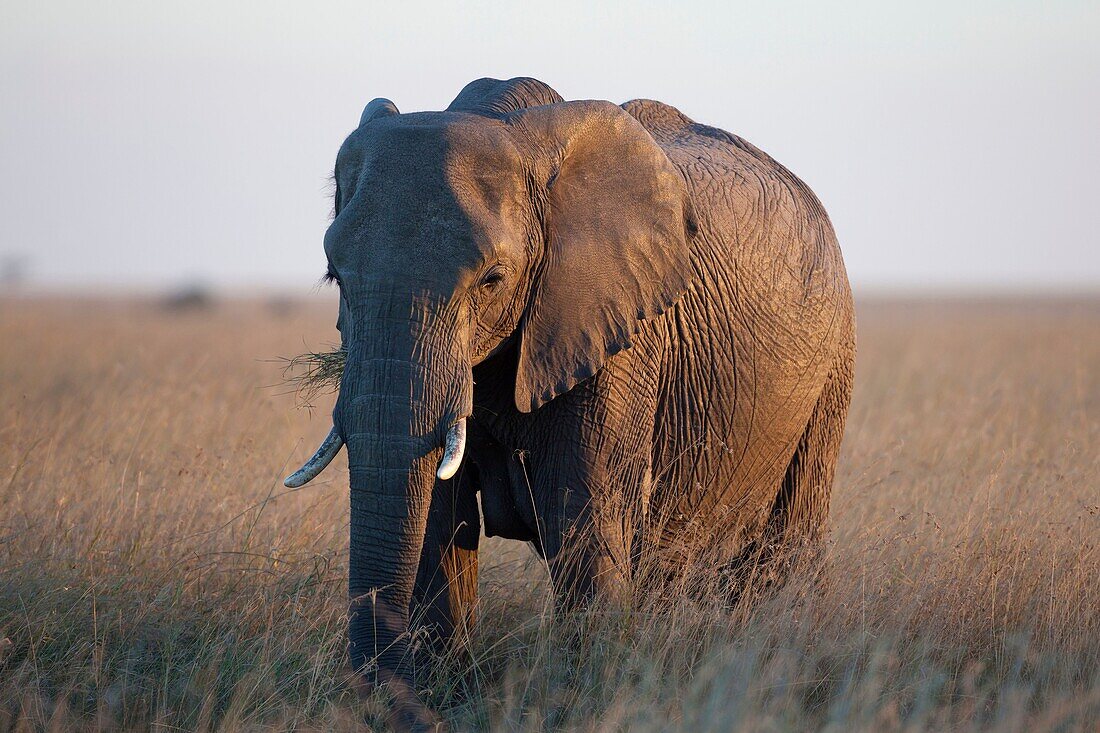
312, 467
452, 453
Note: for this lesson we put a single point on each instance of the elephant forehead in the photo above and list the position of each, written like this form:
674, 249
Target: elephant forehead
418, 241
439, 187
430, 240
431, 141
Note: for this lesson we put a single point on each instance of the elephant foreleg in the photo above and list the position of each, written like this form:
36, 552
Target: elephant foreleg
591, 487
586, 549
444, 600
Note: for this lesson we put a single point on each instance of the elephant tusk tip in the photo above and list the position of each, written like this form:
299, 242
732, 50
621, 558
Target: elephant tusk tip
453, 450
324, 455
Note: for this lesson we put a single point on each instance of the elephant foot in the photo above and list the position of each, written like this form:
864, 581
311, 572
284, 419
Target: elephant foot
407, 714
405, 711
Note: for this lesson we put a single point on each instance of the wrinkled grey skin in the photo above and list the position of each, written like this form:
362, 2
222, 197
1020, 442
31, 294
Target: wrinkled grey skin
647, 321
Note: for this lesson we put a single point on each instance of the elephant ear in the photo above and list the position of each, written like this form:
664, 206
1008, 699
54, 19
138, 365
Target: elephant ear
617, 223
495, 97
378, 107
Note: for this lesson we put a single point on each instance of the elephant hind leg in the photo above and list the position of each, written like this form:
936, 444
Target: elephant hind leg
802, 505
793, 532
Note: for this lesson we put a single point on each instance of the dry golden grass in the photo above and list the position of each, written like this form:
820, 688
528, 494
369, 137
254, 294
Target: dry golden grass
155, 574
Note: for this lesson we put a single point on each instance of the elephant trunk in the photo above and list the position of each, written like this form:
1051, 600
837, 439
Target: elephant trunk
402, 392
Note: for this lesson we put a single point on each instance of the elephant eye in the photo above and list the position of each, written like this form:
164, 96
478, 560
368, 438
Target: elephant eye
331, 277
493, 277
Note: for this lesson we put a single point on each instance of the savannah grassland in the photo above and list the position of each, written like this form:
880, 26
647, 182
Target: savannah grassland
155, 574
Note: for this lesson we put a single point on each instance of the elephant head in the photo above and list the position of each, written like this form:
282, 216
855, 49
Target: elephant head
510, 221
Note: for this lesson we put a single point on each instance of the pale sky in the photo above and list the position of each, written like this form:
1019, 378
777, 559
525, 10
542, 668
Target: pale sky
147, 144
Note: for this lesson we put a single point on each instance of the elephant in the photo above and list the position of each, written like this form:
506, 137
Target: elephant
613, 330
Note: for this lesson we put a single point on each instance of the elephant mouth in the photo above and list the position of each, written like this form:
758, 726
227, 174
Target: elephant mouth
315, 373
453, 449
